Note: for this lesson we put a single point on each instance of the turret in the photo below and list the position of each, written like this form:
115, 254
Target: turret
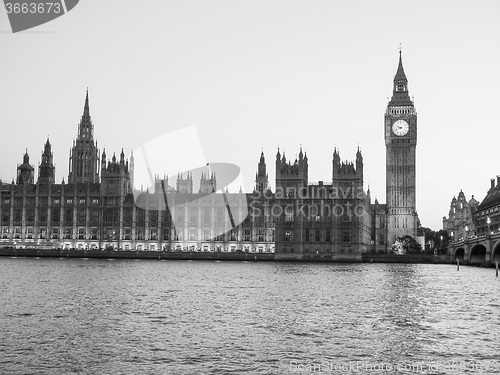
103, 162
208, 184
84, 155
336, 159
261, 178
343, 170
25, 171
291, 177
115, 177
184, 185
46, 169
359, 162
131, 168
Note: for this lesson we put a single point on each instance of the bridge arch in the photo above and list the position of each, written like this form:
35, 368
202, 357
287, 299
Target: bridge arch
495, 255
478, 254
459, 254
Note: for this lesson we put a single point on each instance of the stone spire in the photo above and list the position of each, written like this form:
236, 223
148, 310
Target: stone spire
261, 177
400, 95
86, 110
84, 155
86, 128
46, 169
400, 73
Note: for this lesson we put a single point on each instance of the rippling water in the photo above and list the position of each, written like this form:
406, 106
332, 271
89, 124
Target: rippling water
175, 317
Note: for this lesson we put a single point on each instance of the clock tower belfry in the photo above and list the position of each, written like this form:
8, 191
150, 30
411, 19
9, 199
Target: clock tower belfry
400, 127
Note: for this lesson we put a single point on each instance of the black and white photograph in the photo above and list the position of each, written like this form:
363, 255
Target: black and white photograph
249, 187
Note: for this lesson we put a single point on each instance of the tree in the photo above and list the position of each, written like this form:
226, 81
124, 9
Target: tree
406, 245
428, 233
441, 240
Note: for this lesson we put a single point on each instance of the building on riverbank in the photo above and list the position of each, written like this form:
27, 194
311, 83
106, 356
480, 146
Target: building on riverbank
460, 223
487, 215
470, 219
99, 207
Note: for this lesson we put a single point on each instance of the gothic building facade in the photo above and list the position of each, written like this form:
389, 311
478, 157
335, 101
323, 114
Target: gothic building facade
99, 207
472, 219
460, 223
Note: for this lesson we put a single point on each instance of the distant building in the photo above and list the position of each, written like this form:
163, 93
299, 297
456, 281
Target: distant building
99, 208
487, 216
460, 223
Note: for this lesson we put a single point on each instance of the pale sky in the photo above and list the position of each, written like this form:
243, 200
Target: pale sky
255, 75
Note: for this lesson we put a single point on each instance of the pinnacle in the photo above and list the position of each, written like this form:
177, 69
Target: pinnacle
400, 73
86, 110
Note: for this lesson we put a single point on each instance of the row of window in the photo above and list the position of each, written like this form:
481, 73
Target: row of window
401, 110
488, 211
111, 216
311, 235
290, 250
43, 201
153, 234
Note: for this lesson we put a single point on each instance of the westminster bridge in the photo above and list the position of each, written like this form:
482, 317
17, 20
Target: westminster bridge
483, 250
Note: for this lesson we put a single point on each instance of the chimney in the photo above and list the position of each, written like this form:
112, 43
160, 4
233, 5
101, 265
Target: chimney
498, 180
492, 183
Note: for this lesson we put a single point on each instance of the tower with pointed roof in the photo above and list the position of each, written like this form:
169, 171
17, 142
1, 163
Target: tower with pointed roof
261, 177
46, 169
25, 171
401, 141
84, 155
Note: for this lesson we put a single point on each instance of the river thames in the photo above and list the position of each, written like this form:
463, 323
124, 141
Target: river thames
84, 316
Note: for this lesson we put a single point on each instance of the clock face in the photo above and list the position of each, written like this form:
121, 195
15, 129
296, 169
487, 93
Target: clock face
400, 127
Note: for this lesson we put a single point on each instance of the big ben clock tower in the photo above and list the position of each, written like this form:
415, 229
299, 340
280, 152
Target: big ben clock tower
400, 142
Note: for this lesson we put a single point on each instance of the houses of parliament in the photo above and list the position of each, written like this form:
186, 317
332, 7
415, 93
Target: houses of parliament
99, 208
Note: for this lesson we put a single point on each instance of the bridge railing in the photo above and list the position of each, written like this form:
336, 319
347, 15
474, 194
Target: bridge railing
474, 237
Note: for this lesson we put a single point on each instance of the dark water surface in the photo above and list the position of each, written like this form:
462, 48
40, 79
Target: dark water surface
65, 316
